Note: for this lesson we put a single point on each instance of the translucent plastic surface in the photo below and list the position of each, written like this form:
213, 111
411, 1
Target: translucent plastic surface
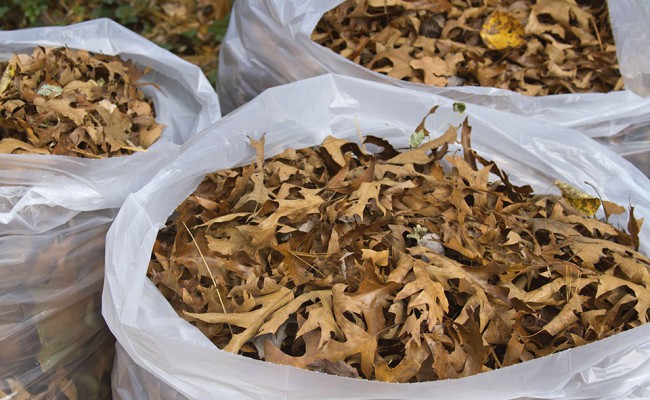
54, 215
302, 114
40, 192
269, 43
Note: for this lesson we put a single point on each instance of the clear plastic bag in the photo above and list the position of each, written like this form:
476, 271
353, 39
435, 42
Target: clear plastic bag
54, 215
269, 43
50, 302
130, 382
302, 114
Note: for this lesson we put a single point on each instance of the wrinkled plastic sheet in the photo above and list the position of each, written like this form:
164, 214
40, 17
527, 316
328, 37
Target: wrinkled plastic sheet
50, 308
54, 215
130, 382
268, 43
39, 192
302, 114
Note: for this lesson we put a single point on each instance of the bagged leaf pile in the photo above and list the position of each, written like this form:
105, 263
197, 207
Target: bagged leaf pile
69, 102
54, 340
270, 44
534, 47
163, 352
396, 266
55, 211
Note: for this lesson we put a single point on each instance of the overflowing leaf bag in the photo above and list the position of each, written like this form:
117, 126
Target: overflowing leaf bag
302, 115
61, 101
55, 211
271, 44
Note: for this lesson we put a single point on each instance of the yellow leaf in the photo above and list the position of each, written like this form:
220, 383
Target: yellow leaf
502, 30
7, 76
577, 198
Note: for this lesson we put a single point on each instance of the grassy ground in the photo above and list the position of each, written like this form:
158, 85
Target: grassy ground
192, 29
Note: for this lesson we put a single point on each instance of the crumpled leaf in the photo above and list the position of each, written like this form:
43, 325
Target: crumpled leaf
577, 198
339, 368
48, 90
416, 139
7, 76
502, 30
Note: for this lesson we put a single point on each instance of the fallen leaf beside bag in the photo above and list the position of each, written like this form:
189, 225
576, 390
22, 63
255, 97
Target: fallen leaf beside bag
55, 210
146, 326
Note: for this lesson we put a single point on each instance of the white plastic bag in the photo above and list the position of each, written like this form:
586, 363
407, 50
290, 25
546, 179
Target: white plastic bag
130, 382
302, 114
54, 215
268, 43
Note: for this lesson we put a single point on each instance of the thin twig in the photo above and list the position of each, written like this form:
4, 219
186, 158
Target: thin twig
600, 42
310, 266
602, 203
209, 272
361, 141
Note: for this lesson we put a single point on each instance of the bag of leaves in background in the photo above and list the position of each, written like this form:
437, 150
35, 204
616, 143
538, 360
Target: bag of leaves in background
273, 43
174, 353
88, 114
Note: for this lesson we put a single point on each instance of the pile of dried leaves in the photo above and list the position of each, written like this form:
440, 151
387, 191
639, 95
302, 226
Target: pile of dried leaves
69, 102
385, 266
535, 47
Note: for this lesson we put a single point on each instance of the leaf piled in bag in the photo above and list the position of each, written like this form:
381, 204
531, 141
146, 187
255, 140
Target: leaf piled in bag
535, 47
69, 102
385, 266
